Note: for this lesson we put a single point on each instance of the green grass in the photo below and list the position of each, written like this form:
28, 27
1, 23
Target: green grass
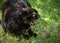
47, 26
46, 34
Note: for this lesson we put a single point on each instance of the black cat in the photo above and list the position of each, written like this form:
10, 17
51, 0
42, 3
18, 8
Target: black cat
17, 17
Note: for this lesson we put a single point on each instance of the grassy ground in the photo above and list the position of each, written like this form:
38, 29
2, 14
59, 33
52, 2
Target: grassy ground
47, 33
47, 26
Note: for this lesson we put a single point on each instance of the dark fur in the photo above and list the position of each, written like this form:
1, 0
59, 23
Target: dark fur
16, 17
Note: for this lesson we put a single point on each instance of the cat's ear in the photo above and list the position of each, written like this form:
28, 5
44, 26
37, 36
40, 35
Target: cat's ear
26, 10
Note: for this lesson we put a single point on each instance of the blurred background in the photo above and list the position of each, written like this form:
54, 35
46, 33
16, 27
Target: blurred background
47, 26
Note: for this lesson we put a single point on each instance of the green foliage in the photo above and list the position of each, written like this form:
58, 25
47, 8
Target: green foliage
47, 26
1, 3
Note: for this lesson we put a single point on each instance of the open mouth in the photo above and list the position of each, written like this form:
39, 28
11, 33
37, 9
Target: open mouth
33, 22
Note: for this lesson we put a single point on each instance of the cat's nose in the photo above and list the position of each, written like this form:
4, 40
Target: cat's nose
37, 16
